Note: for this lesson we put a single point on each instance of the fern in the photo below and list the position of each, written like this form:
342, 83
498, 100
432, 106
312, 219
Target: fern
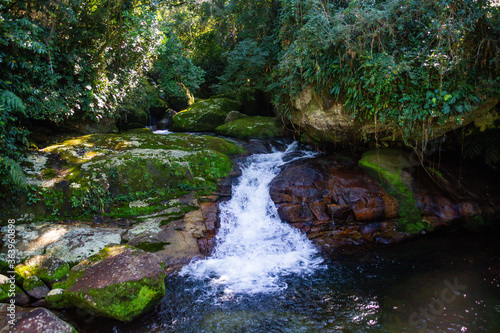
14, 171
11, 102
484, 144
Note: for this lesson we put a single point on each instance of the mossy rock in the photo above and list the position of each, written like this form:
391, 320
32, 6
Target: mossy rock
204, 116
5, 289
387, 166
100, 173
119, 282
234, 115
35, 287
48, 269
251, 127
56, 299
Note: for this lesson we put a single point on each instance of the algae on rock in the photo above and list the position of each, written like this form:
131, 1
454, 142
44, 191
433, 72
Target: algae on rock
387, 167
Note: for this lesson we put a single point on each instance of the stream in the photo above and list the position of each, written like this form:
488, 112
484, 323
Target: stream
265, 276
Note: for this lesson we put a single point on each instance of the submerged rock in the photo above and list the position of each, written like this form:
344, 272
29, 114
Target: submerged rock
251, 127
119, 282
204, 116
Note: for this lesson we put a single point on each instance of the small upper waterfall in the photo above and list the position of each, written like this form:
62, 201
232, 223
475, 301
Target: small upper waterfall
254, 247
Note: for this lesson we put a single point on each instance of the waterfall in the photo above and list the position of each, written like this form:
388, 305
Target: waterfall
255, 249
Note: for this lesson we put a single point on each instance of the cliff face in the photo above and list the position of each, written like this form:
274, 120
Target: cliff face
320, 118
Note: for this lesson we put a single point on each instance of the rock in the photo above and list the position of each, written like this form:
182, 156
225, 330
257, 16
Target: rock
9, 313
251, 127
69, 243
322, 118
165, 122
119, 282
234, 115
39, 320
204, 116
331, 200
387, 166
9, 290
176, 243
56, 299
48, 269
35, 287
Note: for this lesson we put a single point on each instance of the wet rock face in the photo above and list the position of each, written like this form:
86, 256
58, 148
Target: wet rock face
119, 282
341, 206
330, 200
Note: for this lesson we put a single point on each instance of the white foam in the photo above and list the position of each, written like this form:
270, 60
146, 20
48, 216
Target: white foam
162, 132
255, 249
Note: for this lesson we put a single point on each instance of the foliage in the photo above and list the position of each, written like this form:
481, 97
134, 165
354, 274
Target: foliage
176, 74
486, 145
402, 61
246, 66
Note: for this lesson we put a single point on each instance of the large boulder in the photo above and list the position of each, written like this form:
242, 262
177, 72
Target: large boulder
203, 116
119, 282
322, 118
102, 174
332, 201
251, 127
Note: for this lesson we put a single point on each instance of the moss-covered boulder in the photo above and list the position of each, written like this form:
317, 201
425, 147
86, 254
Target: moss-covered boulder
119, 282
48, 269
251, 127
204, 116
387, 166
103, 173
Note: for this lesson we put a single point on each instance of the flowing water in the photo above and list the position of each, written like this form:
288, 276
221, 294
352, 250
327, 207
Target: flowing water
255, 249
264, 276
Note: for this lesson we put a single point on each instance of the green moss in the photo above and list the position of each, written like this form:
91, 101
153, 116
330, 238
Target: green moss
251, 127
123, 301
386, 166
49, 173
152, 247
59, 285
5, 291
171, 218
32, 282
204, 116
57, 300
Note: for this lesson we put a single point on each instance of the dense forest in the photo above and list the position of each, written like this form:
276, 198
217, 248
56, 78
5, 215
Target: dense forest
398, 62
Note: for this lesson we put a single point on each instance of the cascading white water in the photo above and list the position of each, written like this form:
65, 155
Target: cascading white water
254, 247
